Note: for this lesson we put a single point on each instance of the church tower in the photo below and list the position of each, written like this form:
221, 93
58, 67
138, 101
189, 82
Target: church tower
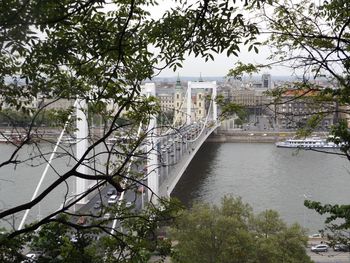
179, 104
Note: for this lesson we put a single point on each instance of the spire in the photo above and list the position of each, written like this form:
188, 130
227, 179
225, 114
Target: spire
178, 82
200, 77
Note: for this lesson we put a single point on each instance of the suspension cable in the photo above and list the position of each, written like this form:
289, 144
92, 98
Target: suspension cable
48, 165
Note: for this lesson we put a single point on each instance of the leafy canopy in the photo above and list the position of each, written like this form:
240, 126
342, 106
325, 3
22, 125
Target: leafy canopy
232, 233
100, 51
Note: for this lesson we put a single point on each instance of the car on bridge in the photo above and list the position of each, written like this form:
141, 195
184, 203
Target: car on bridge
112, 191
107, 216
98, 204
113, 199
318, 235
82, 220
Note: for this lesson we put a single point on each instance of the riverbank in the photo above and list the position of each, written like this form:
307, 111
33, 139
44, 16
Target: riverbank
48, 134
253, 136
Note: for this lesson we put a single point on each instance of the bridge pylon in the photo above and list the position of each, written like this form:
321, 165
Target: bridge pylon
81, 185
200, 85
149, 89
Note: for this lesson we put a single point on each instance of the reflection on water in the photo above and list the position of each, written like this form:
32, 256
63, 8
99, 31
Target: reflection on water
267, 178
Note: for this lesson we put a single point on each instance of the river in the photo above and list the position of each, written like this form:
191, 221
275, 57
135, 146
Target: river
264, 176
267, 177
18, 182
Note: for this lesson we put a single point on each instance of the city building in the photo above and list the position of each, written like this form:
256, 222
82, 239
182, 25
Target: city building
60, 104
255, 101
166, 98
266, 81
295, 107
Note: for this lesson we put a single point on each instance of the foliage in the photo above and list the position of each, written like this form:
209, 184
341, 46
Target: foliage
232, 233
62, 241
13, 118
99, 51
10, 249
242, 68
229, 109
337, 221
312, 39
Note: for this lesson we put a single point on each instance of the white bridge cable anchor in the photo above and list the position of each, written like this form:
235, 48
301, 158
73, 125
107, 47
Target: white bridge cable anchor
48, 165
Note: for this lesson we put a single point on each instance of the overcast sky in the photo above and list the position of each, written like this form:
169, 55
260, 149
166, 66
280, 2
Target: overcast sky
220, 67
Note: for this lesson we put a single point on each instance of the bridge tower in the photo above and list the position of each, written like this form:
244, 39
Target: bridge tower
200, 85
82, 145
149, 89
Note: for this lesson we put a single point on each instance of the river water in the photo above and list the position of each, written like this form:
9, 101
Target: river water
264, 176
267, 177
18, 182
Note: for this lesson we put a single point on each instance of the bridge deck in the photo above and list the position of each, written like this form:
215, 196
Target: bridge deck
179, 168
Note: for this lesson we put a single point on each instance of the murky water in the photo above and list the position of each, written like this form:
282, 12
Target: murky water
264, 176
267, 178
18, 182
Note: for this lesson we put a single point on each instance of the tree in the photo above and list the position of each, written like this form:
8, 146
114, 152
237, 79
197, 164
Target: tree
10, 249
100, 51
55, 245
232, 233
313, 40
317, 38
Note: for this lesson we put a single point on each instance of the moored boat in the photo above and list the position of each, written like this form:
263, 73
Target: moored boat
309, 142
12, 138
68, 140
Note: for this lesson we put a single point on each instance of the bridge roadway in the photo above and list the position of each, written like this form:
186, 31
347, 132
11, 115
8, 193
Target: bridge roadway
167, 184
136, 199
178, 168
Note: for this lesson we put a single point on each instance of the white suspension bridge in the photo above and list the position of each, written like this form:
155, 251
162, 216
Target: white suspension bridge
168, 152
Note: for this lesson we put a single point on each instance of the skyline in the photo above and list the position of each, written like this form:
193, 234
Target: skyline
222, 64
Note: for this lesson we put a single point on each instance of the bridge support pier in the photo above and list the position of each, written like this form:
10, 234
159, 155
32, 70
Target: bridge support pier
82, 146
152, 162
151, 149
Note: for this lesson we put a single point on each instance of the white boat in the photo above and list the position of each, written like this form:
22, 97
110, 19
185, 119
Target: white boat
310, 142
68, 140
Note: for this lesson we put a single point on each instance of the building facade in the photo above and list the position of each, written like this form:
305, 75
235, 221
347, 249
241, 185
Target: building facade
296, 107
